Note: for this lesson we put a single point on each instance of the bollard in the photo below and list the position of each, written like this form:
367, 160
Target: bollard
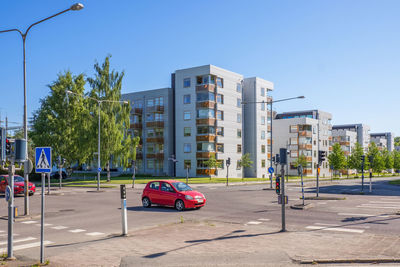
123, 210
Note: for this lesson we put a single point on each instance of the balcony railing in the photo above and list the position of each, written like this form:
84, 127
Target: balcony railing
155, 140
307, 171
344, 143
205, 104
137, 111
305, 146
209, 121
206, 87
205, 171
156, 124
305, 133
136, 126
210, 138
309, 159
155, 156
205, 155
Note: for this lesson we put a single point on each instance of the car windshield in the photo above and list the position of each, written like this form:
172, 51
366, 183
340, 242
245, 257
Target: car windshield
182, 187
18, 179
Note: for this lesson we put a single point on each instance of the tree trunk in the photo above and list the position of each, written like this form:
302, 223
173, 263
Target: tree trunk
108, 172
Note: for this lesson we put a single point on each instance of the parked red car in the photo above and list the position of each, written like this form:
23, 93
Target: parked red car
18, 185
172, 193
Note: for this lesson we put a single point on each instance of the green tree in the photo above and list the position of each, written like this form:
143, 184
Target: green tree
212, 162
337, 158
106, 86
63, 121
396, 160
377, 164
397, 141
354, 160
388, 159
127, 159
301, 160
245, 161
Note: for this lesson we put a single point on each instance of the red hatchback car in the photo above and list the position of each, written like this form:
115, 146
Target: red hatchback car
19, 185
172, 193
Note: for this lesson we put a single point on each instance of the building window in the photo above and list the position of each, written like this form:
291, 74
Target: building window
205, 113
220, 115
187, 163
239, 133
159, 101
239, 87
186, 82
239, 118
150, 149
150, 164
239, 148
205, 130
263, 163
293, 141
263, 105
186, 131
294, 129
206, 147
150, 117
220, 131
263, 135
220, 148
293, 154
220, 98
220, 163
220, 82
239, 103
187, 148
186, 99
150, 133
238, 164
207, 96
262, 120
186, 115
150, 102
263, 149
159, 117
262, 91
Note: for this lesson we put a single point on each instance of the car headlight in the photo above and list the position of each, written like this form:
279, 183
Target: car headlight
188, 197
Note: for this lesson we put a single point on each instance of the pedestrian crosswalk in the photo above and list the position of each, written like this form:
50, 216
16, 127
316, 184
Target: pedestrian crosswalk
386, 204
334, 227
258, 221
21, 243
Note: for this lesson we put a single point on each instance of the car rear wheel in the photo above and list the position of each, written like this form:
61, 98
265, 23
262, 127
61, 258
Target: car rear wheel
179, 205
146, 202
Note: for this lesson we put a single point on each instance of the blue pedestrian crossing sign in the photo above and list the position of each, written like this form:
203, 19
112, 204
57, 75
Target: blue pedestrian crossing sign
43, 159
271, 170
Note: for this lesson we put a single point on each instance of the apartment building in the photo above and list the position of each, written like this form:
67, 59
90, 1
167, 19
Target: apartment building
362, 130
208, 120
151, 119
257, 131
347, 139
383, 140
299, 132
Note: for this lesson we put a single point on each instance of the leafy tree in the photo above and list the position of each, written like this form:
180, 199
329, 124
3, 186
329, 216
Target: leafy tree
337, 158
62, 121
397, 141
388, 159
106, 86
212, 163
130, 142
396, 160
354, 160
301, 160
377, 164
245, 161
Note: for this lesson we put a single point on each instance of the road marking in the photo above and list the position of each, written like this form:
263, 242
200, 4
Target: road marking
253, 222
265, 220
384, 202
313, 227
59, 227
362, 215
19, 240
29, 222
338, 225
390, 199
46, 224
94, 233
322, 203
1, 235
378, 207
1, 231
77, 231
212, 188
30, 245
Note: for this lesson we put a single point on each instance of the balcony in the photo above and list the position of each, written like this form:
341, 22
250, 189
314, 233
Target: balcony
136, 126
330, 148
305, 146
205, 155
344, 143
309, 159
156, 124
205, 172
307, 172
209, 138
155, 156
206, 87
159, 140
269, 142
137, 111
330, 138
305, 133
209, 121
206, 104
139, 155
159, 109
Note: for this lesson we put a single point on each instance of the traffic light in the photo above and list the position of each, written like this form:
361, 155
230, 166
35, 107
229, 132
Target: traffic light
321, 156
283, 156
370, 158
2, 144
363, 158
278, 185
273, 159
8, 147
228, 162
278, 159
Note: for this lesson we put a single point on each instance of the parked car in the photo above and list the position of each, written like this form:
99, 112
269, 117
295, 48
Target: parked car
172, 193
19, 185
56, 175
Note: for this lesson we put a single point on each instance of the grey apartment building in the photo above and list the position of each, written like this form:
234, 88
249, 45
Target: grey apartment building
383, 140
362, 130
199, 117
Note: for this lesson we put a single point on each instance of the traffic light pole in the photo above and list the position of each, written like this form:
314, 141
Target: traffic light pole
318, 179
10, 241
283, 199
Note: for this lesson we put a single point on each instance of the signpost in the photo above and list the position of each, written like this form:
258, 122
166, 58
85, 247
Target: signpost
43, 166
271, 170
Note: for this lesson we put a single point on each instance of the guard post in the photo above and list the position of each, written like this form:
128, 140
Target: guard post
123, 210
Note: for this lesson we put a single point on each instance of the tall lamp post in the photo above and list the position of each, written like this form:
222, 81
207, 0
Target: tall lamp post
99, 101
270, 103
74, 7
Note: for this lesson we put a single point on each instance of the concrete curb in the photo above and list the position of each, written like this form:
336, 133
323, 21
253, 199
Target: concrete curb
325, 198
345, 261
302, 207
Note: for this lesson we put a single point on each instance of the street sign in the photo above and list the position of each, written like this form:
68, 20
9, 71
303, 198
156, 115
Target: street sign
99, 169
28, 166
280, 199
271, 170
8, 193
43, 159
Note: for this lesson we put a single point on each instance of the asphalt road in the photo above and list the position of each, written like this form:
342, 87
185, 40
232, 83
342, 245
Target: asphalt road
77, 216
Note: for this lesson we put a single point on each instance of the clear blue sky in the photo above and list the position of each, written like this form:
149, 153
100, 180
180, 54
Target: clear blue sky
344, 56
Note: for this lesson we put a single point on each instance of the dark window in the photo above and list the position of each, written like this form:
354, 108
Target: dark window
186, 82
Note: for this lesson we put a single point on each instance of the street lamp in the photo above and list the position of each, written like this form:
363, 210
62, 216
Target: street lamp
99, 101
74, 7
270, 103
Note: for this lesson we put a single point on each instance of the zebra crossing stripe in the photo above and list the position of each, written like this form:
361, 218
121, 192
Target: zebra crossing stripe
19, 240
25, 246
77, 231
94, 234
29, 222
60, 227
313, 227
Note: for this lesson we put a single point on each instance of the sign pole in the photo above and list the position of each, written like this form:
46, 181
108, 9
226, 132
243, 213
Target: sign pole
283, 199
11, 170
123, 210
42, 221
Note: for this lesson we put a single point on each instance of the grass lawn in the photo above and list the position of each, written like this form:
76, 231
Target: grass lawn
395, 182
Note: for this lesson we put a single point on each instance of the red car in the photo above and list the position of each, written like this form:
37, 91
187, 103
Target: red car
172, 193
18, 185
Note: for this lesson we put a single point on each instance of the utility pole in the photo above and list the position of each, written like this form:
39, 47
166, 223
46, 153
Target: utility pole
228, 162
318, 169
283, 161
10, 188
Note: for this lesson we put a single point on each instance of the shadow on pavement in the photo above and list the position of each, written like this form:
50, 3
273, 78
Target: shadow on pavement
155, 209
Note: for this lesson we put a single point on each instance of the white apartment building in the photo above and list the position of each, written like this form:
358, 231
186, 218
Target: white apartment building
257, 118
362, 130
383, 140
299, 132
346, 138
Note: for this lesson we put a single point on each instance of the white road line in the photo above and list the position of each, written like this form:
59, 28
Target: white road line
253, 222
264, 220
94, 233
19, 240
30, 222
30, 245
384, 202
391, 199
335, 229
2, 235
1, 231
46, 224
378, 207
321, 203
338, 225
59, 227
77, 231
362, 215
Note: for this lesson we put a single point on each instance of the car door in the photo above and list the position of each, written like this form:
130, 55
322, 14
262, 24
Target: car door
168, 194
154, 192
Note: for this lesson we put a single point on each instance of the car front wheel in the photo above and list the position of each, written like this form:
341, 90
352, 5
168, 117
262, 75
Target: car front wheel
179, 205
146, 202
